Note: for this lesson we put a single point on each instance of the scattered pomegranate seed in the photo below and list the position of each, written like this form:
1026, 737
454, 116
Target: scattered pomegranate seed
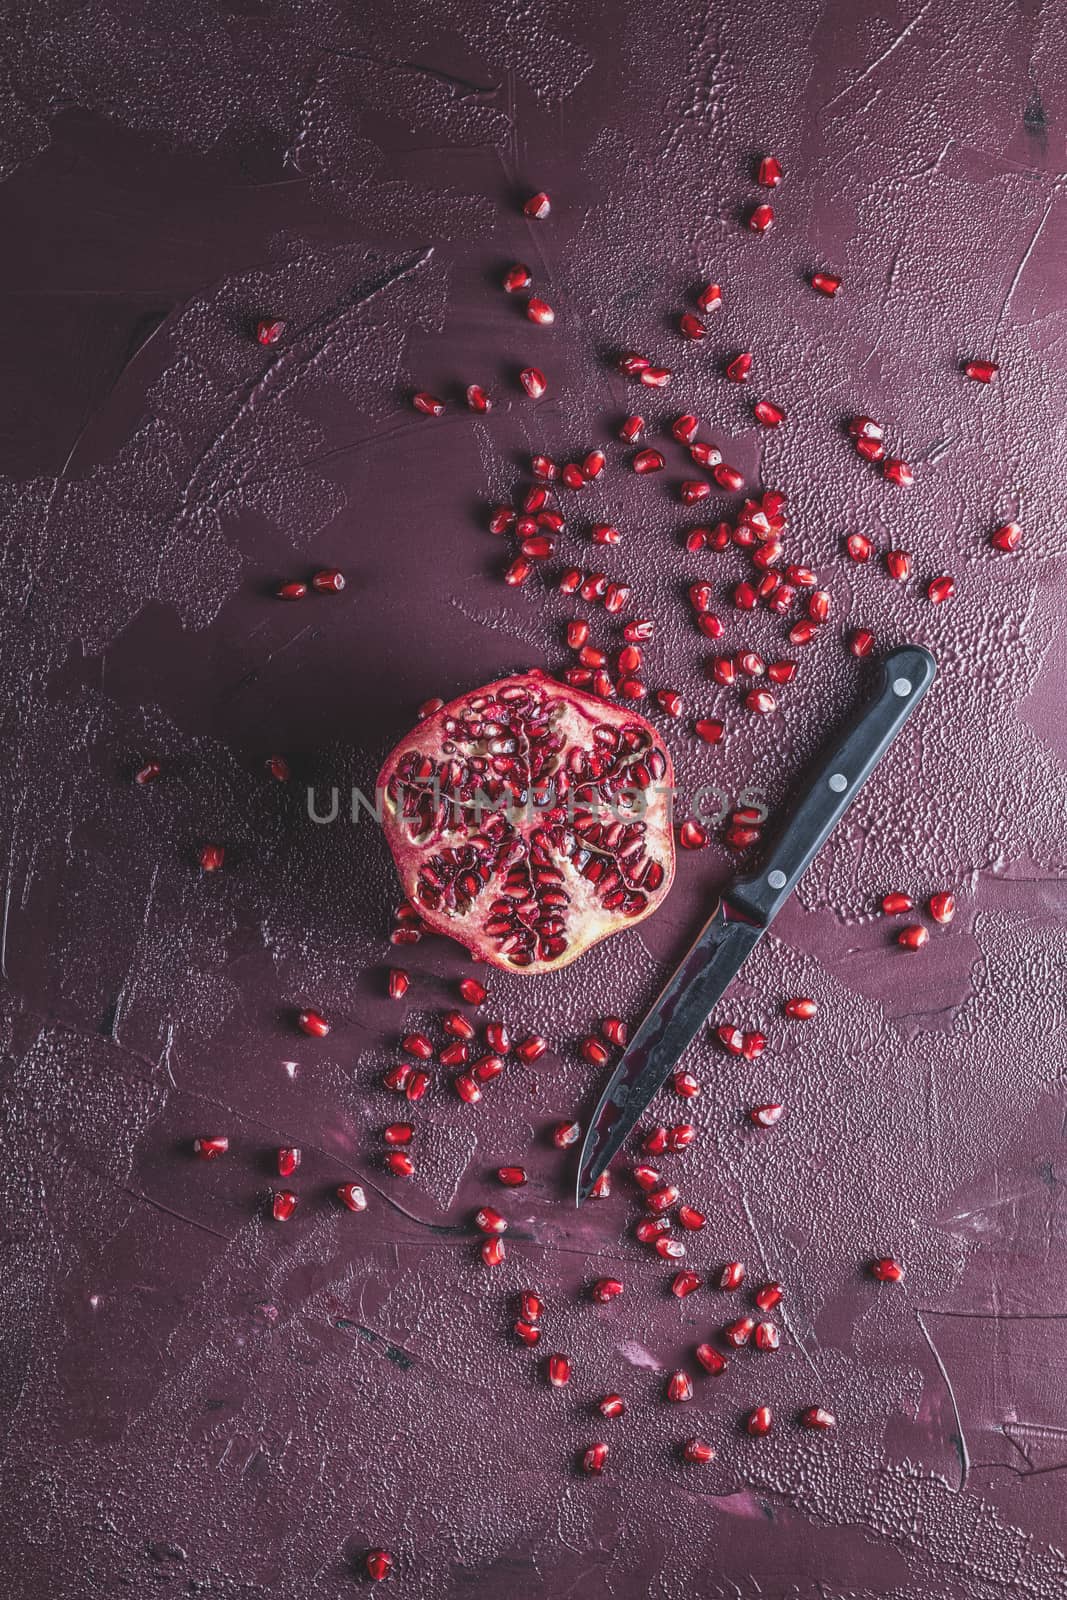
690, 1218
692, 490
531, 1049
691, 327
1006, 537
819, 605
940, 590
564, 1134
761, 701
540, 311
478, 399
731, 1039
399, 983
898, 472
538, 206
313, 1023
768, 413
770, 173
533, 381
611, 1405
669, 1249
500, 521
518, 572
595, 1051
631, 429
721, 669
800, 1008
352, 1197
417, 1044
782, 599
428, 404
912, 938
761, 219
399, 1163
457, 1025
740, 1332
661, 1200
802, 633
474, 993
616, 596
288, 1161
497, 1038
893, 904
646, 1178
710, 297
981, 371
760, 1421
517, 277
861, 642
942, 908
572, 476
416, 1085
768, 1296
732, 1275
679, 1387
710, 1359
488, 1220
209, 1149
398, 1133
752, 1044
684, 1283
544, 467
825, 282
486, 1068
632, 364
816, 1417
646, 461
739, 368
765, 1116
865, 428
493, 1252
768, 1336
692, 835
605, 1289
531, 1305
148, 773
379, 1564
655, 1142
615, 1031
728, 478
604, 533
655, 377
870, 449
684, 428
601, 1188
698, 1451
283, 1204
528, 1332
711, 627
594, 1459
858, 546
670, 702
898, 564
886, 1270
781, 672
511, 1177
269, 330
396, 1078
708, 729
558, 1371
577, 633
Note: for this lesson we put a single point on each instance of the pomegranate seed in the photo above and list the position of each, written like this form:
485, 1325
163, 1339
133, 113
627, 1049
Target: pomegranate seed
655, 377
269, 330
398, 1133
646, 461
595, 1051
630, 658
591, 657
739, 368
399, 982
691, 327
816, 1417
819, 605
767, 1297
669, 702
661, 1200
611, 1405
528, 1332
684, 428
379, 1564
457, 1025
696, 539
615, 1031
692, 490
765, 1116
594, 464
858, 546
428, 404
486, 1068
517, 277
825, 282
731, 1039
616, 596
288, 1161
698, 1451
800, 1008
732, 1275
487, 1220
602, 1187
710, 297
352, 1197
497, 1038
511, 1177
399, 1163
655, 1142
417, 1044
898, 472
283, 1204
684, 1283
761, 701
466, 1087
1006, 537
209, 1149
533, 381
893, 904
679, 1387
631, 429
761, 219
912, 938
558, 1371
942, 908
768, 1336
396, 1078
572, 476
416, 1085
537, 207
721, 669
685, 1085
701, 596
518, 572
981, 371
493, 1252
594, 1459
632, 364
499, 522
886, 1270
782, 671
870, 449
865, 428
148, 773
692, 835
940, 589
711, 627
540, 311
564, 1134
740, 1332
728, 478
681, 1136
474, 993
745, 597
312, 1023
606, 1289
478, 399
577, 634
782, 599
802, 577
708, 729
768, 413
531, 1049
530, 1305
770, 173
646, 1178
710, 1359
760, 1421
861, 642
690, 1218
669, 1249
604, 533
544, 467
802, 633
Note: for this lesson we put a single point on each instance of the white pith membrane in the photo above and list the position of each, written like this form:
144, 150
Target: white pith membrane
529, 886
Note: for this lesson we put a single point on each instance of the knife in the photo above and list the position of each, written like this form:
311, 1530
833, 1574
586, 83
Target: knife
749, 907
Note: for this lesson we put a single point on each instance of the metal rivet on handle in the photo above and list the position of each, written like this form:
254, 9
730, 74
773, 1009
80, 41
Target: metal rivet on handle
901, 686
776, 879
838, 782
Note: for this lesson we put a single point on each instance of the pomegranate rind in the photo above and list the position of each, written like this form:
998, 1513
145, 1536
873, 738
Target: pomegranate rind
529, 889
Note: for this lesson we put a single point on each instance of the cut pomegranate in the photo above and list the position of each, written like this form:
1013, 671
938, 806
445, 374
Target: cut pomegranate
684, 1283
768, 1336
897, 471
352, 1197
428, 404
894, 904
594, 1459
761, 219
679, 1387
691, 327
517, 277
800, 1008
768, 1296
210, 1148
269, 330
886, 1270
826, 283
981, 371
942, 908
312, 1023
288, 1161
540, 311
379, 1564
766, 412
766, 1116
817, 1417
710, 1359
537, 207
698, 1451
533, 381
1007, 537
732, 1275
710, 297
488, 850
898, 564
769, 174
912, 938
558, 1371
940, 590
283, 1203
760, 1421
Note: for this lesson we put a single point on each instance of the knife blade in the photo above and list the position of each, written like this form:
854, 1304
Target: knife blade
749, 907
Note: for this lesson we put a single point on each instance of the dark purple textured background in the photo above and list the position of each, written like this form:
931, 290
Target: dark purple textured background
194, 1400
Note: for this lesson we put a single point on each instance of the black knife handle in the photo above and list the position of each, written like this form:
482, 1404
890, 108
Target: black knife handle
906, 674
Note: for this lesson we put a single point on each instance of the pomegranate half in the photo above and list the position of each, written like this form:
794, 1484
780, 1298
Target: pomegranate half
528, 820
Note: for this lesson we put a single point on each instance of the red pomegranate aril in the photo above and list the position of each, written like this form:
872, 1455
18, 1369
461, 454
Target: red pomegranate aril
527, 1332
711, 627
819, 605
594, 463
768, 1296
572, 476
606, 1289
313, 1023
692, 835
684, 428
731, 1039
701, 596
428, 404
456, 1054
489, 1220
518, 572
148, 773
897, 471
632, 689
745, 597
511, 1177
858, 547
870, 449
761, 701
681, 1136
486, 1068
782, 598
558, 1371
611, 1405
769, 174
655, 377
379, 1564
739, 368
765, 1116
708, 729
683, 1284
646, 461
540, 311
711, 1359
826, 283
912, 938
211, 857
594, 1459
533, 381
399, 1163
761, 219
693, 490
705, 455
564, 1134
865, 428
398, 1133
418, 1045
689, 1218
517, 277
861, 642
942, 908
631, 429
474, 993
630, 658
646, 1178
457, 1025
493, 1252
615, 1031
691, 327
685, 1085
720, 537
477, 398
352, 1197
721, 669
768, 1336
497, 1038
616, 597
631, 364
269, 330
416, 1085
1007, 537
399, 983
590, 656
817, 1417
698, 1451
500, 521
396, 1077
595, 1051
710, 297
531, 1049
894, 904
577, 633
739, 1333
679, 1387
209, 1148
767, 413
604, 533
283, 1204
531, 1305
800, 1008
466, 1086
537, 207
802, 633
940, 590
981, 371
886, 1270
288, 1161
782, 672
544, 467
728, 477
669, 1249
661, 1200
760, 1421
732, 1276
670, 702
